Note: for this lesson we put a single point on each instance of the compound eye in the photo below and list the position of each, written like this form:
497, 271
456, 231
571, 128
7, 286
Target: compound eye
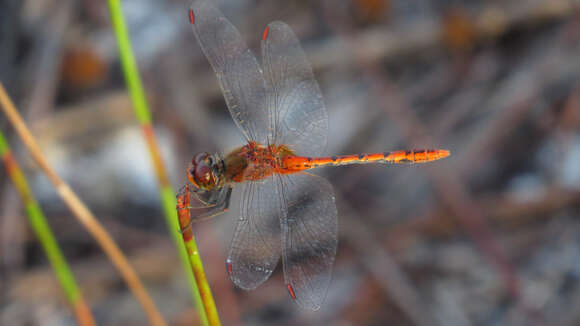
190, 176
203, 175
200, 171
199, 158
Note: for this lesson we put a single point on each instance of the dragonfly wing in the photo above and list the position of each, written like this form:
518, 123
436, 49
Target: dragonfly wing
255, 248
237, 69
298, 117
309, 237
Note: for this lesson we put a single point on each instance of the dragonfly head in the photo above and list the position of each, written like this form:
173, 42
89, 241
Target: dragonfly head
202, 171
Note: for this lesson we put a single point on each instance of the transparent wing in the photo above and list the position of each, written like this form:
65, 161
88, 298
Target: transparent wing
298, 116
309, 237
237, 70
255, 248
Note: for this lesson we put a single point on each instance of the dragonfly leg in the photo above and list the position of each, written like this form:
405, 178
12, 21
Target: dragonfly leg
201, 200
183, 210
204, 204
221, 205
218, 208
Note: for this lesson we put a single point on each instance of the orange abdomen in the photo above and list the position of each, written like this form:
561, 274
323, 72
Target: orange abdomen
255, 162
293, 164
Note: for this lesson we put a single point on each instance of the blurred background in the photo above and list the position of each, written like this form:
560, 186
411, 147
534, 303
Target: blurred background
489, 236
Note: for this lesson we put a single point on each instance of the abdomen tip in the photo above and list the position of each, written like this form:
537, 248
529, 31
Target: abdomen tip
444, 153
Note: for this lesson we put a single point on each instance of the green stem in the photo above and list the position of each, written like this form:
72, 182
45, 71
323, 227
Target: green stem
168, 200
197, 267
167, 195
42, 230
129, 65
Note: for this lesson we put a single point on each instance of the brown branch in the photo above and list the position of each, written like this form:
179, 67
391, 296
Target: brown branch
81, 212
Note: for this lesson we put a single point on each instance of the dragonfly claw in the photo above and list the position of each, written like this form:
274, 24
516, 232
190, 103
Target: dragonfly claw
184, 229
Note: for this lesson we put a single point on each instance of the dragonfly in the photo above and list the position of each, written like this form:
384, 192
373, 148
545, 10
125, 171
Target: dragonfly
285, 211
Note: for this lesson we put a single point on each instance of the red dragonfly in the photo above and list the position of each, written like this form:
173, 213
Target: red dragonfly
285, 211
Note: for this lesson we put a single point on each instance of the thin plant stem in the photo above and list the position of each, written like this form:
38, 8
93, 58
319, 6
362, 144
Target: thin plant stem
40, 226
184, 215
82, 213
204, 301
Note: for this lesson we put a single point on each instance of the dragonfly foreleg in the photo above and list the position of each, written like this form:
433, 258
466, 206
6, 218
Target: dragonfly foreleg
219, 208
221, 204
183, 207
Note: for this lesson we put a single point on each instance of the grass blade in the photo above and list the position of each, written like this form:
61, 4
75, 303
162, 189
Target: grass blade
81, 212
204, 302
183, 212
46, 237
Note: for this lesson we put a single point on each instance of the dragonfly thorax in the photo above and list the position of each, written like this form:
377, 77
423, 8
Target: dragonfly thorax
255, 161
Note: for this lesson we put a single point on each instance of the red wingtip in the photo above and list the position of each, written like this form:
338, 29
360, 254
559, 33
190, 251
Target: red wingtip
265, 35
229, 267
191, 16
291, 291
